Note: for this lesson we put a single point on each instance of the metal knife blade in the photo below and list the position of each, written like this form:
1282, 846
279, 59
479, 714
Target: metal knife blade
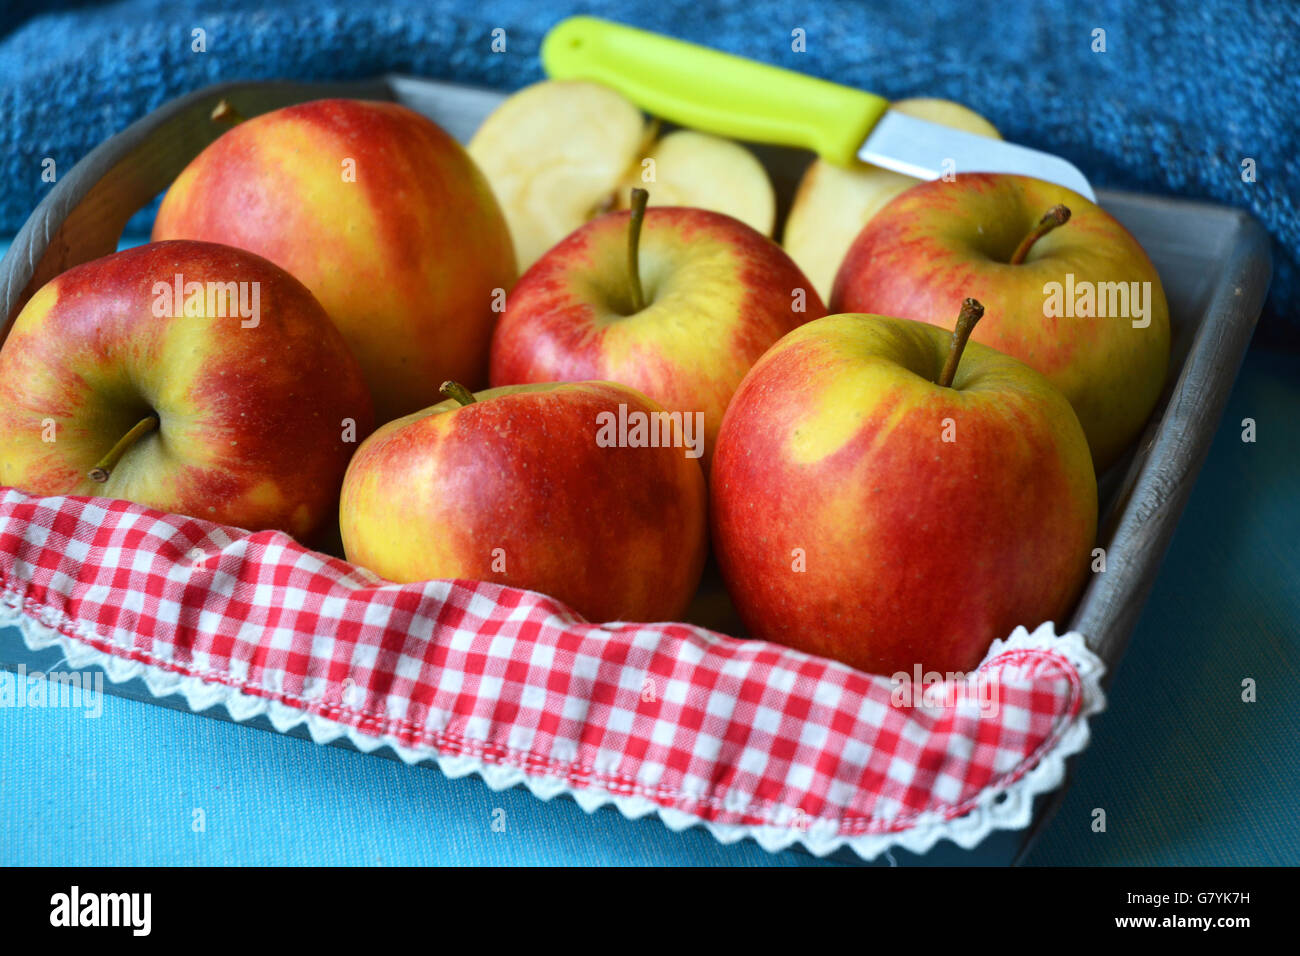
927, 150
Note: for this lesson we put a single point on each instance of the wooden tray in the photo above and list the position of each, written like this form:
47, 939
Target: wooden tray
1214, 262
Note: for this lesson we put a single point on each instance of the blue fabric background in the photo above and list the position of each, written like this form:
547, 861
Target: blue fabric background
1181, 95
1186, 772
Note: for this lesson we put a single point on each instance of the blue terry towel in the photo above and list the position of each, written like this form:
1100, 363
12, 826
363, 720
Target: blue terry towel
1180, 97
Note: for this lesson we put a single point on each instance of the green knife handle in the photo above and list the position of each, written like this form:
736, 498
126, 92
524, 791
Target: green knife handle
713, 91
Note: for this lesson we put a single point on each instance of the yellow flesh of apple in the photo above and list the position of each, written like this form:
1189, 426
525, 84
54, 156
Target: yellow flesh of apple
834, 203
707, 172
560, 152
554, 153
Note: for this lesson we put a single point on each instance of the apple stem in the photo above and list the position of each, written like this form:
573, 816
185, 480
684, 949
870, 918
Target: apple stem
223, 112
459, 392
971, 312
104, 467
639, 199
1058, 215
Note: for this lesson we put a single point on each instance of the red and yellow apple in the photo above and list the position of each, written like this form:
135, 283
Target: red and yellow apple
875, 502
679, 308
833, 203
190, 377
381, 214
1077, 300
534, 487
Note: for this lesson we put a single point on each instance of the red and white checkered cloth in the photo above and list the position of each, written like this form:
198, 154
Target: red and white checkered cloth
744, 737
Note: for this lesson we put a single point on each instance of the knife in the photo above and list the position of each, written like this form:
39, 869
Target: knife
731, 96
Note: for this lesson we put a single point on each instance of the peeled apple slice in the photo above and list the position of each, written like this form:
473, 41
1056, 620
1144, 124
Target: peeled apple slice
708, 172
833, 203
561, 152
554, 154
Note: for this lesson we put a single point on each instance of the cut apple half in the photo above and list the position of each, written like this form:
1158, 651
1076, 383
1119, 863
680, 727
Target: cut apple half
833, 203
554, 153
561, 152
687, 168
